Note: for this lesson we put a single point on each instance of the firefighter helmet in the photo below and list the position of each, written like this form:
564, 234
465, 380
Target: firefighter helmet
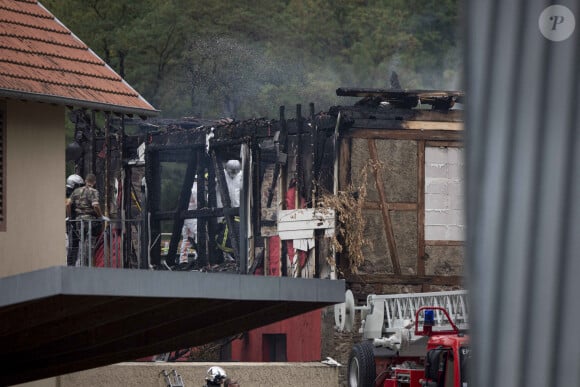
216, 375
74, 181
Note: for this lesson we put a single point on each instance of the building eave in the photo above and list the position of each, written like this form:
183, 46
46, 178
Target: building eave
65, 319
58, 100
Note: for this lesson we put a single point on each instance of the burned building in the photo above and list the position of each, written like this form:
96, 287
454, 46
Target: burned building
394, 156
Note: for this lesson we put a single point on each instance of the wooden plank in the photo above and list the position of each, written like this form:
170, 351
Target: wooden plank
295, 234
447, 144
366, 112
305, 225
444, 243
390, 206
391, 279
344, 164
435, 135
412, 125
421, 208
390, 234
305, 214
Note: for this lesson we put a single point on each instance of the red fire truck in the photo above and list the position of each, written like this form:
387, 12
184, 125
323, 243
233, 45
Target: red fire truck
409, 340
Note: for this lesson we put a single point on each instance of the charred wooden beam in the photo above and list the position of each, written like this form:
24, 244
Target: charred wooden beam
211, 222
203, 165
391, 279
226, 203
212, 212
431, 135
182, 204
432, 97
152, 205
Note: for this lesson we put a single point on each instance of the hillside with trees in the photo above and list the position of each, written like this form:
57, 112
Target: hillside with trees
244, 59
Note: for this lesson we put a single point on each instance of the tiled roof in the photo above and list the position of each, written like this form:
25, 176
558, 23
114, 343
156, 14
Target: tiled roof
40, 59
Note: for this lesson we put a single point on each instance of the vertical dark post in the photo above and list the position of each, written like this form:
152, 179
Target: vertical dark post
152, 230
125, 208
244, 212
309, 161
284, 179
107, 182
226, 203
310, 193
92, 141
128, 214
255, 186
204, 246
299, 166
182, 203
212, 225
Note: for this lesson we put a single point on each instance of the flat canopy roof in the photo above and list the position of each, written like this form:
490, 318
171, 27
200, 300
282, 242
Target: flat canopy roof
66, 319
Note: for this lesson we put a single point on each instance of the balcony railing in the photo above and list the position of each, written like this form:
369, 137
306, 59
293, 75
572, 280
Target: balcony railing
134, 244
99, 243
122, 244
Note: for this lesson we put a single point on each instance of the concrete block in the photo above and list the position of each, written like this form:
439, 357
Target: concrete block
455, 187
436, 155
456, 218
436, 202
455, 233
456, 171
455, 156
435, 233
436, 186
434, 170
456, 203
435, 218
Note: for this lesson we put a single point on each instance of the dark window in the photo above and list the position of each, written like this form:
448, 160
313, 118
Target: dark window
2, 170
274, 347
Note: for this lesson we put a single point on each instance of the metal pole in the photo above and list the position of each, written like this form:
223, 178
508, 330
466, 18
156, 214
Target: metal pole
523, 185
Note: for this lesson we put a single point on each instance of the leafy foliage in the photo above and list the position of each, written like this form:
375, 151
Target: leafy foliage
244, 59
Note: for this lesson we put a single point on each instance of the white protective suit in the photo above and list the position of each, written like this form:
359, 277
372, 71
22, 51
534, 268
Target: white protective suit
189, 229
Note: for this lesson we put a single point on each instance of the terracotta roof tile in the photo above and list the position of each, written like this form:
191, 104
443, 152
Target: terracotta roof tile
42, 60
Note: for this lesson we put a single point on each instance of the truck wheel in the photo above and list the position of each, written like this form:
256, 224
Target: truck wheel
361, 365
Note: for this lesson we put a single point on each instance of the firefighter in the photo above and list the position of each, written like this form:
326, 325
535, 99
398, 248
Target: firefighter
215, 376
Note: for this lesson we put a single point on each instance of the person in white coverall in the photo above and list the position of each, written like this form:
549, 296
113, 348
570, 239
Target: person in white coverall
189, 229
233, 176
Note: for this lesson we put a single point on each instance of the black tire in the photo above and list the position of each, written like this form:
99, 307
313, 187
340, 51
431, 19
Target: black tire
361, 365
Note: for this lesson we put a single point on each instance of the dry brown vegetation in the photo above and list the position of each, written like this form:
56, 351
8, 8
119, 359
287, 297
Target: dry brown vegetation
350, 237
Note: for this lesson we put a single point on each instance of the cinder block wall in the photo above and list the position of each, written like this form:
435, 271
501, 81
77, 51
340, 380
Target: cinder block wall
193, 374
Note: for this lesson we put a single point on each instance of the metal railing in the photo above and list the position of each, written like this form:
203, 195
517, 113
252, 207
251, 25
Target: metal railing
99, 243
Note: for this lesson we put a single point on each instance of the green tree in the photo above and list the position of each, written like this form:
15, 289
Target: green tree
194, 57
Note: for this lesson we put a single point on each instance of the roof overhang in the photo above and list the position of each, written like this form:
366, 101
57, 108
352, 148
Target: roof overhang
54, 99
66, 319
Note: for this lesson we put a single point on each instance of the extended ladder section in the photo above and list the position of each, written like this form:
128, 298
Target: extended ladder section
387, 314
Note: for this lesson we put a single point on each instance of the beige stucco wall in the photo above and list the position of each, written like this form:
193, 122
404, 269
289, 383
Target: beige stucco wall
35, 169
193, 374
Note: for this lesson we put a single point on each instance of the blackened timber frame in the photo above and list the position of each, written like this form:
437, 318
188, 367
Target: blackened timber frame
207, 170
2, 169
